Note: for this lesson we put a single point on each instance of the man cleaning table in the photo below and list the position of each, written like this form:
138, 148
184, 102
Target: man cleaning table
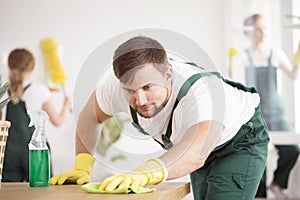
212, 128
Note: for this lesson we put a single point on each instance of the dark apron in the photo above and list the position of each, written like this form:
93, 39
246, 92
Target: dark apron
16, 158
264, 79
16, 167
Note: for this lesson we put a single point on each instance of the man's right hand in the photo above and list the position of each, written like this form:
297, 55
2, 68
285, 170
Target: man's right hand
81, 174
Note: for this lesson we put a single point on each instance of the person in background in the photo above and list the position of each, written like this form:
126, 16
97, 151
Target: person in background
258, 65
215, 132
25, 95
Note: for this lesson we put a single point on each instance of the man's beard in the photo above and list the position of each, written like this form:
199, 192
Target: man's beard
152, 112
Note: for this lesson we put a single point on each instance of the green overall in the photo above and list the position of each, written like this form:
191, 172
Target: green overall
233, 170
264, 79
16, 159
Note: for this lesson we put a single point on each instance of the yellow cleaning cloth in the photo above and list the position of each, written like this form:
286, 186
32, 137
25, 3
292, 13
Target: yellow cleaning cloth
55, 70
94, 188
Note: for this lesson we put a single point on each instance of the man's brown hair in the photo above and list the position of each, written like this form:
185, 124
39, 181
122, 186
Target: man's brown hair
136, 52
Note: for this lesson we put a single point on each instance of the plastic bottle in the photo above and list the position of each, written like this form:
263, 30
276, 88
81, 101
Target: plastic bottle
39, 157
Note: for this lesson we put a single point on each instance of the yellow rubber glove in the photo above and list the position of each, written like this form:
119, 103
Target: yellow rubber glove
296, 58
151, 172
84, 163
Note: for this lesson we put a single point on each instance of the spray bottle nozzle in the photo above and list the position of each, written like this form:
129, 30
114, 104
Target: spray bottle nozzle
38, 138
36, 117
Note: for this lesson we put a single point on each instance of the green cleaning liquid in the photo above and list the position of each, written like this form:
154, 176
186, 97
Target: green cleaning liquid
39, 157
39, 168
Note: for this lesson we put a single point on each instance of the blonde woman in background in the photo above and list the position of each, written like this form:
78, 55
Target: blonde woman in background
25, 95
259, 65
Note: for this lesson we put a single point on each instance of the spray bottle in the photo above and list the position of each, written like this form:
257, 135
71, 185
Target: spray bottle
39, 157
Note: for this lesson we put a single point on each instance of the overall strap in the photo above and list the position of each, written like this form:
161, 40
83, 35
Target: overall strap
26, 87
136, 124
270, 59
249, 57
167, 143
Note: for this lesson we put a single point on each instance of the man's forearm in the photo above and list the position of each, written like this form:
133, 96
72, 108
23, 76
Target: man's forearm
88, 128
80, 148
190, 154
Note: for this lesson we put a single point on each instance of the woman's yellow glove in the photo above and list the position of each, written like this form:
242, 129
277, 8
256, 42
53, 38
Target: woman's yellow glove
81, 174
151, 172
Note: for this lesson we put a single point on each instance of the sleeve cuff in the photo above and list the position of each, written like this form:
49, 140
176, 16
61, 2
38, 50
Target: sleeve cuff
163, 167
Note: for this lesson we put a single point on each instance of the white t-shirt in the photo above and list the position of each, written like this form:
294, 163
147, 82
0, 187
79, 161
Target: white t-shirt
35, 96
209, 98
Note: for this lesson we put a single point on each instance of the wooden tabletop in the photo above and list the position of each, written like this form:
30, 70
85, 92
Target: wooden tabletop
22, 191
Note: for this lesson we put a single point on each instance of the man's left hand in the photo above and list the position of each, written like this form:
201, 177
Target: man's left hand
150, 172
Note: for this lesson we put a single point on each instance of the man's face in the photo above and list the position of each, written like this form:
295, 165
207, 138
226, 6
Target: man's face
149, 90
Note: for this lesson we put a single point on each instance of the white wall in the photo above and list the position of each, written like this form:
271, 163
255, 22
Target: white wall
79, 26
